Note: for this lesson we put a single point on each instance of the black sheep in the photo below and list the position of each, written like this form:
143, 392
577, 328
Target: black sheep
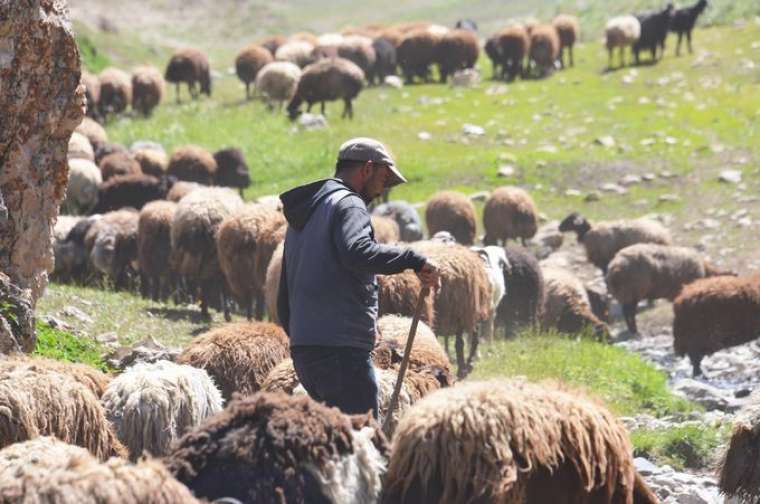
232, 170
524, 300
654, 31
385, 60
133, 190
683, 22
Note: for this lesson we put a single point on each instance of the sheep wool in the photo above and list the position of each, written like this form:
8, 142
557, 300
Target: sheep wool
327, 80
154, 247
82, 190
386, 229
621, 32
92, 378
511, 48
277, 82
272, 283
568, 29
739, 469
94, 132
523, 302
118, 163
509, 213
152, 162
249, 61
80, 148
398, 295
297, 52
190, 66
115, 91
147, 89
192, 164
568, 308
453, 212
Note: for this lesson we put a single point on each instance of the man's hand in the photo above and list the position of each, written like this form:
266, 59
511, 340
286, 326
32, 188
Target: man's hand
429, 275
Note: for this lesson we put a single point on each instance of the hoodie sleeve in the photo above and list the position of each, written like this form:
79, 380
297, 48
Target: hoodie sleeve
283, 303
357, 249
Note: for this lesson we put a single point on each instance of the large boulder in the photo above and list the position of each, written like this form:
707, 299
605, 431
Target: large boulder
16, 318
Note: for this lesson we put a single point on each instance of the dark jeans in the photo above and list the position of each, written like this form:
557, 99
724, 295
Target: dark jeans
338, 376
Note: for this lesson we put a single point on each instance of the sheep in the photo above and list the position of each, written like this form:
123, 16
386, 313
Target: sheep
80, 148
652, 271
495, 260
277, 82
82, 190
453, 212
115, 92
603, 240
457, 50
114, 247
272, 43
512, 46
304, 36
715, 313
248, 62
245, 243
508, 213
278, 448
232, 170
511, 441
282, 378
39, 401
154, 248
358, 50
523, 302
397, 294
416, 53
328, 80
118, 163
654, 31
193, 164
683, 21
189, 66
152, 162
567, 306
68, 257
568, 29
106, 149
298, 52
72, 258
193, 237
272, 283
48, 471
152, 405
92, 378
238, 356
385, 60
621, 32
385, 229
544, 49
91, 93
63, 226
738, 468
180, 189
94, 132
405, 215
133, 190
147, 89
492, 50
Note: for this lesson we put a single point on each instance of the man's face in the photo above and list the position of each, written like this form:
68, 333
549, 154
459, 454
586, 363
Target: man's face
376, 180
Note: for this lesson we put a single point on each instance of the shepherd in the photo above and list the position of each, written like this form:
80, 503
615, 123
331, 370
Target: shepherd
328, 298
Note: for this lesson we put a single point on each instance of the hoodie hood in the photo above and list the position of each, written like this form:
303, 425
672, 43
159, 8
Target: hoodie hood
299, 203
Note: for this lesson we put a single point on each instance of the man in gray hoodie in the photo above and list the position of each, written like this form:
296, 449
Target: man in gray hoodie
328, 292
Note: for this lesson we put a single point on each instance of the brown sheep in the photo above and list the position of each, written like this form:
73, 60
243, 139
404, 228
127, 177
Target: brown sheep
133, 191
94, 132
568, 29
386, 230
249, 61
358, 50
152, 162
509, 213
272, 43
118, 164
398, 295
92, 378
245, 243
115, 92
91, 93
739, 467
272, 283
182, 188
154, 249
567, 305
192, 163
457, 50
189, 66
715, 313
328, 80
544, 49
512, 46
112, 244
453, 212
147, 89
416, 53
238, 356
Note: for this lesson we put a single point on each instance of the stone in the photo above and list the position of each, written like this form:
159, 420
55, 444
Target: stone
42, 102
730, 176
506, 171
76, 313
148, 350
480, 196
393, 81
549, 236
309, 121
473, 130
605, 141
574, 193
645, 467
630, 180
613, 188
16, 318
669, 198
712, 398
424, 136
592, 196
468, 77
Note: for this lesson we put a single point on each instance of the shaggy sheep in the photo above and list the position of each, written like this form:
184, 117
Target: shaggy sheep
82, 190
93, 379
39, 401
495, 260
453, 212
48, 471
567, 307
238, 356
603, 240
272, 283
151, 405
654, 31
193, 164
277, 82
523, 302
683, 21
328, 80
385, 229
115, 92
63, 226
154, 248
249, 61
385, 60
405, 215
568, 29
298, 52
245, 243
118, 163
397, 294
182, 188
715, 313
544, 49
416, 53
147, 89
80, 148
193, 236
72, 259
134, 190
231, 169
91, 93
94, 132
189, 66
113, 250
651, 271
152, 162
457, 50
738, 469
278, 448
511, 441
282, 378
509, 213
512, 46
621, 32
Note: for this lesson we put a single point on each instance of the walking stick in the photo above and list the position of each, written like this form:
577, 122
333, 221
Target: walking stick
405, 360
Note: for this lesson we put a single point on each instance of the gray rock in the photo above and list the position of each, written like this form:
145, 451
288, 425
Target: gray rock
309, 121
393, 81
710, 397
613, 188
424, 136
730, 176
630, 180
605, 141
506, 171
74, 312
480, 196
473, 130
148, 350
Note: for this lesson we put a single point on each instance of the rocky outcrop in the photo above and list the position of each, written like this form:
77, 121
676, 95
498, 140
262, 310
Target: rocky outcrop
16, 318
41, 102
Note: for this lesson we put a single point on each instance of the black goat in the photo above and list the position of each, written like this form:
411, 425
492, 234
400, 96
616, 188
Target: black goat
654, 31
683, 22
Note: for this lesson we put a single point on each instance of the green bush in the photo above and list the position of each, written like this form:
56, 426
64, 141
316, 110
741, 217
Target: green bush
61, 345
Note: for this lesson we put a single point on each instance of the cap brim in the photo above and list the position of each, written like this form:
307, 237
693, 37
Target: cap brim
397, 178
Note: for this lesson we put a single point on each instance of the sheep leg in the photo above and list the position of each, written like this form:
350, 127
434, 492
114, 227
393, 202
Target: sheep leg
322, 108
696, 365
156, 288
678, 44
572, 60
688, 41
204, 304
562, 58
461, 364
609, 57
225, 304
144, 286
629, 312
473, 356
260, 308
446, 343
247, 90
176, 94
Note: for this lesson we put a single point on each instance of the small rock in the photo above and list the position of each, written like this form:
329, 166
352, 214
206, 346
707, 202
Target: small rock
648, 177
613, 188
671, 140
508, 157
473, 130
551, 149
506, 171
312, 121
74, 312
573, 193
669, 198
469, 77
480, 196
730, 176
424, 136
148, 350
393, 81
630, 180
648, 141
645, 467
592, 196
712, 398
605, 141
108, 339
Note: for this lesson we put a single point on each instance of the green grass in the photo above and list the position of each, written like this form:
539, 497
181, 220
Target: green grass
61, 345
681, 447
93, 59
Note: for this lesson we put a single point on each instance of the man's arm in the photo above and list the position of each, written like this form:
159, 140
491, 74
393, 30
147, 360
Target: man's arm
283, 304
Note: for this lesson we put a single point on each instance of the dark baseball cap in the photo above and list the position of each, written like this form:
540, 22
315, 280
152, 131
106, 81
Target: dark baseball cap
369, 149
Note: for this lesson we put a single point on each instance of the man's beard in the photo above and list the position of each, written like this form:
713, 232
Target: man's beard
365, 197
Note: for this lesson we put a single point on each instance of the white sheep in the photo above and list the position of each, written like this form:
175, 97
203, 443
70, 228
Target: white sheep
82, 190
496, 263
277, 82
80, 147
295, 51
621, 32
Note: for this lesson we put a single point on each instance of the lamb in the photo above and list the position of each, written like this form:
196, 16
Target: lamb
91, 93
405, 215
567, 306
385, 60
134, 190
115, 92
154, 248
232, 170
238, 356
654, 31
621, 32
715, 313
652, 271
193, 236
328, 80
568, 30
147, 89
511, 441
738, 468
152, 405
523, 302
453, 212
92, 378
603, 240
94, 132
683, 21
118, 163
80, 148
385, 229
189, 66
512, 46
277, 82
48, 471
495, 260
272, 283
397, 294
193, 164
249, 61
245, 243
544, 49
82, 190
457, 50
509, 213
114, 247
273, 447
152, 162
298, 52
416, 53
